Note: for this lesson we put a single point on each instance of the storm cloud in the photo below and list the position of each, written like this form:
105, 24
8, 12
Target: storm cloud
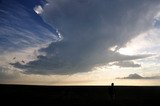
89, 28
126, 64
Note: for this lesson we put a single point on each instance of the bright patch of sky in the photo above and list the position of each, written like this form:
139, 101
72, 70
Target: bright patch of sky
38, 9
146, 42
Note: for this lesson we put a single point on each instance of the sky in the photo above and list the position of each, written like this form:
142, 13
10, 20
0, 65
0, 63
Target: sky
80, 42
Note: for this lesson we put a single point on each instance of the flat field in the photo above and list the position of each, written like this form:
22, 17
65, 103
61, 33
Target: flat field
79, 95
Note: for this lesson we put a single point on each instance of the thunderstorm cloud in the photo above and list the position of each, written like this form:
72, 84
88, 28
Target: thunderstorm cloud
88, 29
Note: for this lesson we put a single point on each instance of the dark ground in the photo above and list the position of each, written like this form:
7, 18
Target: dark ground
78, 95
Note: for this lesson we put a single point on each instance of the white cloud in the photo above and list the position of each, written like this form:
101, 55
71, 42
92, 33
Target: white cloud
114, 48
38, 9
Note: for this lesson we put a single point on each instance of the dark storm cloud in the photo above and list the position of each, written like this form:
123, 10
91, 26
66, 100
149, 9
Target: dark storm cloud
127, 64
89, 29
57, 63
136, 76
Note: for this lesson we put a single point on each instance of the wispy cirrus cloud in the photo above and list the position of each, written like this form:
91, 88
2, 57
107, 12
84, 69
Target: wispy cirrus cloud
21, 28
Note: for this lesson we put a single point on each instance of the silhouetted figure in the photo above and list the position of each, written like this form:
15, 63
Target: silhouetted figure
112, 93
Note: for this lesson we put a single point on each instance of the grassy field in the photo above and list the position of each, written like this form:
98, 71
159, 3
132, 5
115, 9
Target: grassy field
79, 95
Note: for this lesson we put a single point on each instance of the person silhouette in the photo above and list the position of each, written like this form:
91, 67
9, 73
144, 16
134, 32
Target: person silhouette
112, 92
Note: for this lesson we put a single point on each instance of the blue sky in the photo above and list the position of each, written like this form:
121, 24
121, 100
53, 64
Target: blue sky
79, 41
